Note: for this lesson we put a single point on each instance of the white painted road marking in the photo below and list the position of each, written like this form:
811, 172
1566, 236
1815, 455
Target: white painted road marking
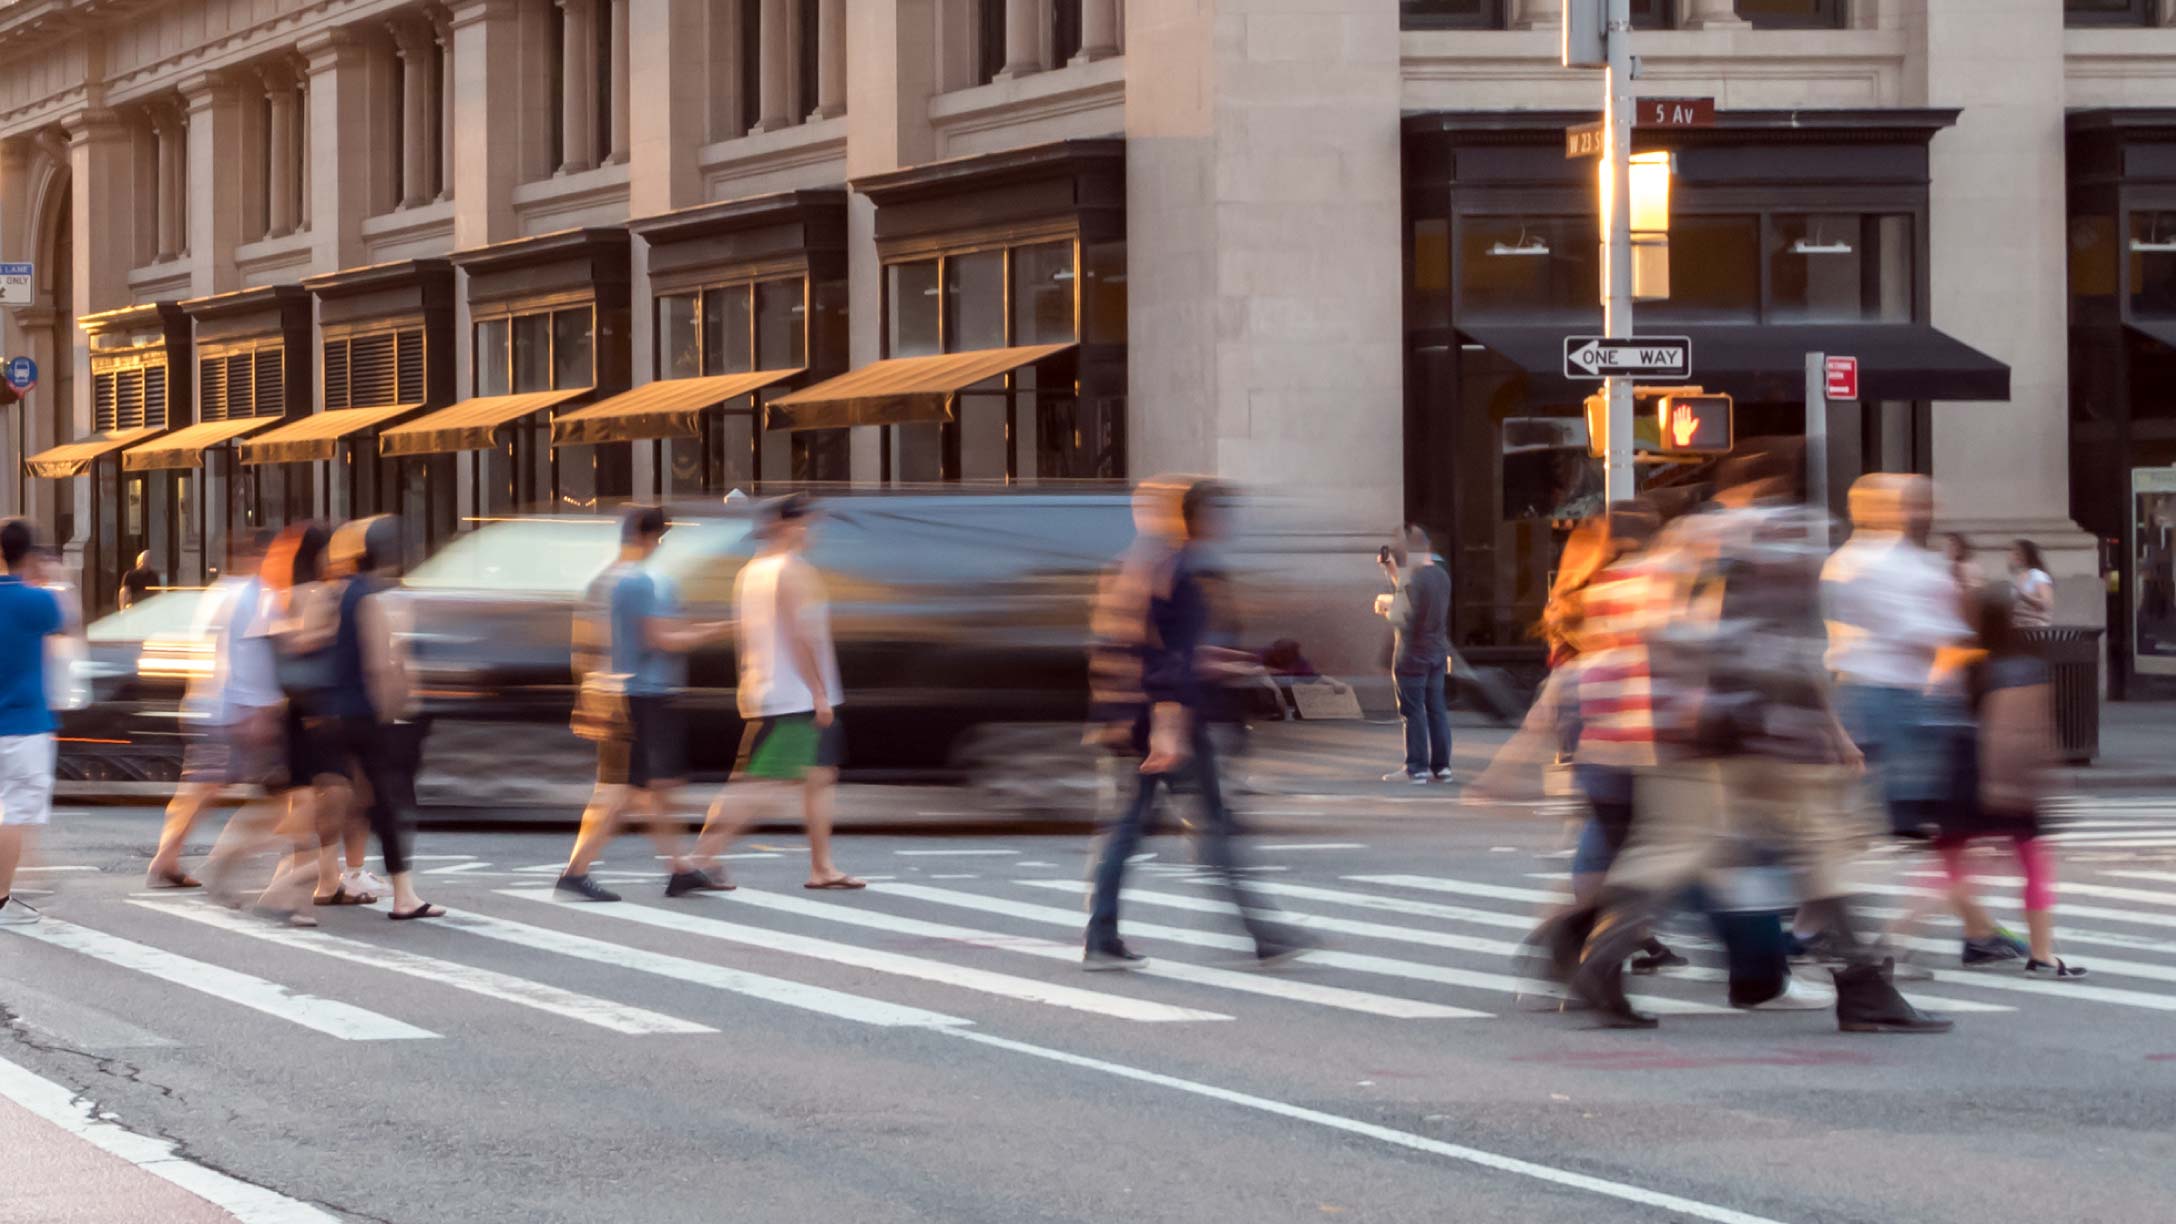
952, 853
605, 1014
327, 1016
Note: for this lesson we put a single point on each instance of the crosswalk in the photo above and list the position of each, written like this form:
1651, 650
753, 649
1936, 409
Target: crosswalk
2090, 824
985, 949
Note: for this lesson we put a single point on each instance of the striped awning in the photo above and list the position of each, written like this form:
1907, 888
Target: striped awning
184, 448
671, 408
318, 435
899, 391
74, 458
469, 424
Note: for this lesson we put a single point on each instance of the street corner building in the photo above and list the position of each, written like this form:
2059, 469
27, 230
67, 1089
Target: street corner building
472, 258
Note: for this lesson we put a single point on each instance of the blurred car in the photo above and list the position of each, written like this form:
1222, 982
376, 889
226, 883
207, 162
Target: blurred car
960, 621
136, 666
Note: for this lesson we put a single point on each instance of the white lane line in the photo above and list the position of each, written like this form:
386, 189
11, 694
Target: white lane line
1498, 892
2066, 908
457, 868
50, 870
1399, 905
1178, 971
2127, 843
436, 858
2074, 888
838, 1003
954, 853
1942, 1003
2165, 877
78, 1116
954, 875
491, 984
1334, 958
1566, 1178
328, 1016
1293, 846
77, 1024
1002, 984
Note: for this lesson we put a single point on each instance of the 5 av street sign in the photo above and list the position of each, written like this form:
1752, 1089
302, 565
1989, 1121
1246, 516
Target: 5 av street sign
1644, 357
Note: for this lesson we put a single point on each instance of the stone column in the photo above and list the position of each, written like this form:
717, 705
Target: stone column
1536, 14
218, 180
1711, 15
621, 67
340, 115
487, 39
144, 155
1023, 40
830, 35
578, 86
669, 39
1098, 30
412, 43
299, 68
167, 125
282, 167
99, 190
777, 68
442, 32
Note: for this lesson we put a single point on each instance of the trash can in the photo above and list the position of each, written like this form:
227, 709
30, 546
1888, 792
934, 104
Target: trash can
2073, 657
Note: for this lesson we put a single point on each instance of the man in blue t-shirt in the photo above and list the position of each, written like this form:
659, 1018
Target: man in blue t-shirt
28, 615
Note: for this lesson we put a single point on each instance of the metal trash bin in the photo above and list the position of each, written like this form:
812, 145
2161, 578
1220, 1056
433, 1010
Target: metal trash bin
2073, 657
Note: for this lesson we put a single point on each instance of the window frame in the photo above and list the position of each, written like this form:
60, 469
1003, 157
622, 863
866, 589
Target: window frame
1489, 15
746, 284
2136, 14
1826, 15
548, 312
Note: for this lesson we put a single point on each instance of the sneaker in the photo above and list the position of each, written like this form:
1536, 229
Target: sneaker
2010, 937
1795, 996
1399, 775
681, 883
1657, 959
584, 887
1111, 956
360, 883
1992, 950
1445, 775
2053, 969
16, 912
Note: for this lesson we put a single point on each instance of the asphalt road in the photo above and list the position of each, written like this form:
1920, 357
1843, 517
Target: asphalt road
929, 1050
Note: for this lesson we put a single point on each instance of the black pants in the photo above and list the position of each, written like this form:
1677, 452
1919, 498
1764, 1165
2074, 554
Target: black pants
376, 753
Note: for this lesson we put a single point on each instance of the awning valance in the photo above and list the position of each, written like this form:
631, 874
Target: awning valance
74, 458
900, 391
667, 409
469, 424
1897, 361
318, 435
185, 447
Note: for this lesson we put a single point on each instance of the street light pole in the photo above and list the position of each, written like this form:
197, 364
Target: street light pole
1619, 473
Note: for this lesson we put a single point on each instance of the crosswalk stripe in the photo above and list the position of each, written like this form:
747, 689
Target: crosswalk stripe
2067, 936
1943, 1003
1200, 975
328, 1016
2127, 843
1358, 962
1500, 892
821, 999
2165, 877
1002, 984
2073, 888
618, 1017
2069, 909
1399, 905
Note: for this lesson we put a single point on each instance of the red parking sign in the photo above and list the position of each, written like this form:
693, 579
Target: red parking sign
1842, 378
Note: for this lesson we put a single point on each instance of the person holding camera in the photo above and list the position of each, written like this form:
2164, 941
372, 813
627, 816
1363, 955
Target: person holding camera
1418, 607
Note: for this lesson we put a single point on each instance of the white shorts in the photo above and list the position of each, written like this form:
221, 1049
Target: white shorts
26, 779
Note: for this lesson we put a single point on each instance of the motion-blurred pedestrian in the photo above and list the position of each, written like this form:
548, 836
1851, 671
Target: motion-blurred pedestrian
298, 619
28, 616
2033, 589
1419, 609
140, 581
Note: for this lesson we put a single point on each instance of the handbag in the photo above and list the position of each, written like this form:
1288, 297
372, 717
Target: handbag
600, 708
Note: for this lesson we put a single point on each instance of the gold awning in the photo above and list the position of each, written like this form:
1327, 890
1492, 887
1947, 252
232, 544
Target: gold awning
318, 435
901, 391
184, 448
469, 424
73, 458
669, 408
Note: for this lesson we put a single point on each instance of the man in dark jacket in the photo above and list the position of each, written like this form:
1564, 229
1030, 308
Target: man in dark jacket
1419, 608
1153, 671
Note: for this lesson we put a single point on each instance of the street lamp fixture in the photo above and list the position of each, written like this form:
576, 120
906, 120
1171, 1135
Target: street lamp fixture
1649, 176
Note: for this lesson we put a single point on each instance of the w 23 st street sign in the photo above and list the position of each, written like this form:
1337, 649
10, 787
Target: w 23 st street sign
1644, 357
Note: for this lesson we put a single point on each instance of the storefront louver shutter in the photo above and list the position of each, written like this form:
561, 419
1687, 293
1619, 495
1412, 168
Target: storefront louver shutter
372, 377
105, 401
271, 379
154, 396
336, 374
240, 378
410, 358
211, 389
128, 399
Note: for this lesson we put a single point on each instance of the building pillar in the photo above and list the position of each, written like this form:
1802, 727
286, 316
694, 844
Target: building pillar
282, 165
299, 69
1264, 189
669, 38
1023, 40
1098, 30
487, 60
217, 180
776, 67
578, 86
412, 44
144, 155
621, 67
166, 126
1536, 14
442, 33
830, 60
1712, 15
100, 170
340, 117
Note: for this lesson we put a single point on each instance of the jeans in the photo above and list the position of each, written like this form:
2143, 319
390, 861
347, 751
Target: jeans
1426, 711
1217, 853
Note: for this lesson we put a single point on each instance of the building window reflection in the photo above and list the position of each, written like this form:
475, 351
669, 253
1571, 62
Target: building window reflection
1839, 268
738, 329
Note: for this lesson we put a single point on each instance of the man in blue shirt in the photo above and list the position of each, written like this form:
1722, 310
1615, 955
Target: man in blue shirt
28, 615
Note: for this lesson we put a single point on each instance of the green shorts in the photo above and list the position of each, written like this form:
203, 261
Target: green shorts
784, 747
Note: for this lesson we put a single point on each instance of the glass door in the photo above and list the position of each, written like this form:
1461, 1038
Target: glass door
2153, 571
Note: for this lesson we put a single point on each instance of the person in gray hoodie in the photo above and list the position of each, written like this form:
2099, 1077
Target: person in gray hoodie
1419, 609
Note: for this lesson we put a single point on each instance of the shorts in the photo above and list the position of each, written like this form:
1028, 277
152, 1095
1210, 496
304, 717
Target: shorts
310, 749
784, 747
26, 779
655, 750
229, 754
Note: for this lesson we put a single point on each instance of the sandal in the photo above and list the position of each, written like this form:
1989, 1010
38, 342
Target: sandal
172, 879
341, 896
284, 917
838, 882
425, 910
2054, 969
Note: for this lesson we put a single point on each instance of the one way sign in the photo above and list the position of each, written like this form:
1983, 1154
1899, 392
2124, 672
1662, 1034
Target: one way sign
1647, 356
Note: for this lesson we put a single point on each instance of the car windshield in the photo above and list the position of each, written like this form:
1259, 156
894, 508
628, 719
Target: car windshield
545, 556
167, 614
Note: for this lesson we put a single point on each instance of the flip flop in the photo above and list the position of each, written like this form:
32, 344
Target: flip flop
284, 917
341, 896
172, 879
837, 882
425, 910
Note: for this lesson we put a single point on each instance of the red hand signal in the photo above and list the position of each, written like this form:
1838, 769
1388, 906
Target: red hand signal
1683, 425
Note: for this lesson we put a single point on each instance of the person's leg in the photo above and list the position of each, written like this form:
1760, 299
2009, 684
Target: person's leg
656, 803
388, 817
1413, 716
817, 792
1123, 839
1438, 708
1220, 854
334, 805
2037, 863
12, 838
182, 812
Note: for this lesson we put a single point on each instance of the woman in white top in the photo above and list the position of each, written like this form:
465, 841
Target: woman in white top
2035, 590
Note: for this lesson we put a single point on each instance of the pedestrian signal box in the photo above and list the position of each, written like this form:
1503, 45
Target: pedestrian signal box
1667, 423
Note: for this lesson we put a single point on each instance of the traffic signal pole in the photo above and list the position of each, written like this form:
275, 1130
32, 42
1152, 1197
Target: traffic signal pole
1619, 473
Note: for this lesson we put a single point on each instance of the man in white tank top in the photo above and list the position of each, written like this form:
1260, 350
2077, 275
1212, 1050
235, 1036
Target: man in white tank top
789, 694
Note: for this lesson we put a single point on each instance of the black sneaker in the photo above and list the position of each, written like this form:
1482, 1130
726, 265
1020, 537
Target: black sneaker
585, 888
1992, 950
1657, 958
2053, 969
1112, 955
681, 883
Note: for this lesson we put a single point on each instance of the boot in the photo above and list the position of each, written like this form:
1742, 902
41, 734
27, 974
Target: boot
1867, 1002
1557, 941
1599, 979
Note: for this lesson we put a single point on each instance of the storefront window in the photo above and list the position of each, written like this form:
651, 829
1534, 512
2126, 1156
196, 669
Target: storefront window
1042, 294
2108, 12
493, 375
1714, 269
1529, 267
679, 343
547, 350
1793, 14
1839, 268
2153, 264
1451, 14
573, 363
728, 336
781, 331
974, 301
1103, 292
532, 353
911, 308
